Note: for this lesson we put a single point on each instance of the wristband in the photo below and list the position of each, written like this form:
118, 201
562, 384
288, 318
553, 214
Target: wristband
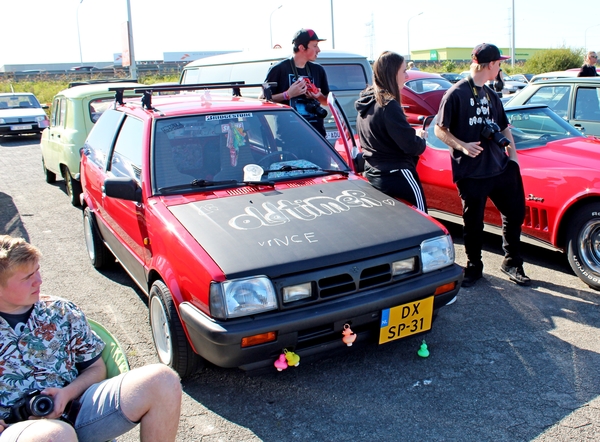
286, 96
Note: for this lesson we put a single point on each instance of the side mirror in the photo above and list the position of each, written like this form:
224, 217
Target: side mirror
123, 188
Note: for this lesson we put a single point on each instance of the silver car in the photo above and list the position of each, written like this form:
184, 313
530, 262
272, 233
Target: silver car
21, 113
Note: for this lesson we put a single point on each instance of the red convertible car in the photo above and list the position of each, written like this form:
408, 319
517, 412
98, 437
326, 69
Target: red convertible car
560, 169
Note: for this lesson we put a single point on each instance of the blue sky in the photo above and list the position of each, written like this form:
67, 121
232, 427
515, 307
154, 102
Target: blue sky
363, 26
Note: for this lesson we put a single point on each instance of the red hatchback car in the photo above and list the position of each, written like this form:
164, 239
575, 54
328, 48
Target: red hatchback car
250, 234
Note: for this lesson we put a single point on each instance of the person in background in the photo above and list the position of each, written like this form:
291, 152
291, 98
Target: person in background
412, 67
390, 145
589, 66
295, 77
484, 165
47, 344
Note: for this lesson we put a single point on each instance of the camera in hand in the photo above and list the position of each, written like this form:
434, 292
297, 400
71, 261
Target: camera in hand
33, 403
491, 131
309, 108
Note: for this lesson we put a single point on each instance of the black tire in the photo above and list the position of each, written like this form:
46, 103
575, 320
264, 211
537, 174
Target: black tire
583, 244
170, 341
72, 187
50, 176
99, 255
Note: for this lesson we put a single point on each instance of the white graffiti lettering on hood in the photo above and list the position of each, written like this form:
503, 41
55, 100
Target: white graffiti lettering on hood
284, 211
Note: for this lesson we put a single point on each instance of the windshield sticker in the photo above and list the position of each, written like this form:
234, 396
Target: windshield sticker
228, 116
284, 211
172, 127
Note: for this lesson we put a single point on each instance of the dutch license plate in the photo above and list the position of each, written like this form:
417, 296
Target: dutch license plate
333, 135
405, 320
21, 127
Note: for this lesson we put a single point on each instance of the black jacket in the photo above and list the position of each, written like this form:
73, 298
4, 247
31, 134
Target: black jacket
387, 140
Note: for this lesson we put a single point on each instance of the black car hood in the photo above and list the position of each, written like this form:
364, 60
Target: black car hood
280, 232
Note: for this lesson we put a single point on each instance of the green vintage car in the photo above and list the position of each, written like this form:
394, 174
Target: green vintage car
74, 112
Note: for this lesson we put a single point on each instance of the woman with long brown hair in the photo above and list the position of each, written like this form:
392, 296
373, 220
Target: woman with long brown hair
390, 145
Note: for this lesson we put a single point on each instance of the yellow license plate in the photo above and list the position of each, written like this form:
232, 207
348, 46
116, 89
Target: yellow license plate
405, 320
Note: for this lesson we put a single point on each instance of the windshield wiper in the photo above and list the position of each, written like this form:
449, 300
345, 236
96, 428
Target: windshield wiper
289, 168
209, 183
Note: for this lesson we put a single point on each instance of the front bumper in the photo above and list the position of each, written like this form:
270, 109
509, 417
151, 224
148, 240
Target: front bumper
310, 330
20, 129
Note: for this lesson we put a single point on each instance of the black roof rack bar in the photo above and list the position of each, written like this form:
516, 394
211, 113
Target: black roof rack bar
193, 87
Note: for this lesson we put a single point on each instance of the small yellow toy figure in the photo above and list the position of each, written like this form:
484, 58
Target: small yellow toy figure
292, 358
349, 336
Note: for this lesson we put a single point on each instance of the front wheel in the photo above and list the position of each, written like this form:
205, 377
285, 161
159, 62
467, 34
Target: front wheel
97, 252
169, 337
583, 244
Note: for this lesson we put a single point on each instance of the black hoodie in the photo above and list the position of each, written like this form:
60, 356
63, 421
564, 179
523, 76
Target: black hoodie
387, 140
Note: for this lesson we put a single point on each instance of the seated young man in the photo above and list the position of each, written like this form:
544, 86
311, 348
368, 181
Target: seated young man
46, 344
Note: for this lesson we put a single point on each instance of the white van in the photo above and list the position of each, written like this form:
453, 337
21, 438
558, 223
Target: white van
347, 74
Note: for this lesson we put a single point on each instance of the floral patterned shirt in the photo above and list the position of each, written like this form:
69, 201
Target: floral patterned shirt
44, 352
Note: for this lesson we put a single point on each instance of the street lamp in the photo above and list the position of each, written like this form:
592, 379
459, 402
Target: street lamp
78, 36
585, 37
408, 33
132, 65
271, 23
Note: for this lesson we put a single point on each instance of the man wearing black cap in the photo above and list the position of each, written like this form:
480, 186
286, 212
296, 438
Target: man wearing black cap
484, 165
291, 74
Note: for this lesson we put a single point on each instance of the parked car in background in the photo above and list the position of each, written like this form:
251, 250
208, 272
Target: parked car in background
422, 94
251, 236
74, 112
347, 74
554, 75
525, 78
512, 86
574, 99
559, 167
21, 113
452, 77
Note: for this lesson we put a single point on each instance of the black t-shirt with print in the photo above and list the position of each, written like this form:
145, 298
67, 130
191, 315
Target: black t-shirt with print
283, 74
464, 115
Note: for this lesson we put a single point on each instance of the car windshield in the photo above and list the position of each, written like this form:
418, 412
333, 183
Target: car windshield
214, 150
530, 128
18, 102
537, 126
421, 85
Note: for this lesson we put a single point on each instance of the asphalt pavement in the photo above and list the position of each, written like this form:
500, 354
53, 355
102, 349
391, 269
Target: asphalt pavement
506, 363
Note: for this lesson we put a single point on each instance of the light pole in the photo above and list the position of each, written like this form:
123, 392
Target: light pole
408, 34
271, 23
78, 35
332, 31
132, 66
585, 37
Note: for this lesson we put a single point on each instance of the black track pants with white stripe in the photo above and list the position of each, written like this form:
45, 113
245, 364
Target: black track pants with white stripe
399, 183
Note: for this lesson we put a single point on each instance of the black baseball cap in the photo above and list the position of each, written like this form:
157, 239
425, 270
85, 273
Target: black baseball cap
305, 36
486, 53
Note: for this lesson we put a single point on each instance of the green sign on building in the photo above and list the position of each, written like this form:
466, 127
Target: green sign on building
433, 55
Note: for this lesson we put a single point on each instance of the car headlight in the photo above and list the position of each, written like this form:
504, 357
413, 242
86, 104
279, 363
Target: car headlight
242, 297
2, 121
437, 253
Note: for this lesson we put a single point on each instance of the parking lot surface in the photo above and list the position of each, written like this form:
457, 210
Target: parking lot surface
506, 363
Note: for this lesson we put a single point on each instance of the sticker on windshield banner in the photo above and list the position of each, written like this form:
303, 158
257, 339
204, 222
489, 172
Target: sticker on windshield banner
228, 116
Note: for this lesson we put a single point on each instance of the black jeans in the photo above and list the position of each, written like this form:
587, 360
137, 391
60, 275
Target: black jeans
506, 192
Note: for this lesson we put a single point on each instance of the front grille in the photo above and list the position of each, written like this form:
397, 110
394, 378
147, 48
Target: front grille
349, 278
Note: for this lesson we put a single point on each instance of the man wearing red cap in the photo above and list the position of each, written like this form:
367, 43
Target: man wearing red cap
290, 75
472, 122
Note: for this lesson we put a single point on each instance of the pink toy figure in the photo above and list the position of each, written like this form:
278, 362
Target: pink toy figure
349, 336
281, 363
292, 358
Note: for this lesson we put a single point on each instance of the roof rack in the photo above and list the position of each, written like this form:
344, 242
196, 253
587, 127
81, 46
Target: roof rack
235, 85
